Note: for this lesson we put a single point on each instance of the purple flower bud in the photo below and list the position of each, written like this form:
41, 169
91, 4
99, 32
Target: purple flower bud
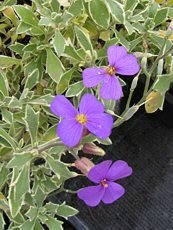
84, 165
91, 148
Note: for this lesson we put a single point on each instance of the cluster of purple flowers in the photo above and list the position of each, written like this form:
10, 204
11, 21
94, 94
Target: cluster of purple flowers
91, 116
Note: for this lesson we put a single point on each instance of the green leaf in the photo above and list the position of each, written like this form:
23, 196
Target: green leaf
109, 104
122, 40
7, 140
53, 224
13, 103
26, 15
59, 43
17, 47
158, 41
99, 13
3, 202
28, 225
106, 141
50, 134
22, 182
32, 79
131, 5
4, 87
2, 222
51, 207
54, 66
116, 10
129, 27
72, 53
14, 205
58, 167
39, 196
89, 138
46, 21
32, 123
35, 30
130, 112
66, 17
134, 43
55, 6
75, 89
76, 7
83, 39
32, 213
66, 211
160, 16
23, 28
38, 226
6, 62
31, 47
4, 175
64, 82
44, 100
163, 82
19, 160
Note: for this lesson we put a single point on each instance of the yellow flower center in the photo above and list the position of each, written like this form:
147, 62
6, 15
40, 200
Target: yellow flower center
104, 183
111, 70
81, 118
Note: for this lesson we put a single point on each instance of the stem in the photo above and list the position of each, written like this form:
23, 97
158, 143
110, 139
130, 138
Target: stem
49, 146
160, 56
74, 154
132, 89
62, 189
42, 146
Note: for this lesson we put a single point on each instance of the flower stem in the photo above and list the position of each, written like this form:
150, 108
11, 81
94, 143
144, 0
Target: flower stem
132, 88
71, 151
149, 74
41, 149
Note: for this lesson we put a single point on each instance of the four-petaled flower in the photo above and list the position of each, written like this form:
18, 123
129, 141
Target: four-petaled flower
104, 174
90, 116
119, 63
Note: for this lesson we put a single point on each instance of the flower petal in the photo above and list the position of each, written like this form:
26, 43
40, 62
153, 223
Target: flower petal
115, 53
100, 124
99, 171
93, 76
70, 132
91, 195
111, 89
89, 105
62, 107
128, 65
113, 192
118, 170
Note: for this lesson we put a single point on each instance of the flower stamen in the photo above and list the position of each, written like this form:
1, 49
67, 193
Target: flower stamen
81, 118
111, 70
104, 183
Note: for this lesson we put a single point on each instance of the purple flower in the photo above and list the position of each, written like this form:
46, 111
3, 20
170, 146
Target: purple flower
90, 116
119, 63
104, 174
